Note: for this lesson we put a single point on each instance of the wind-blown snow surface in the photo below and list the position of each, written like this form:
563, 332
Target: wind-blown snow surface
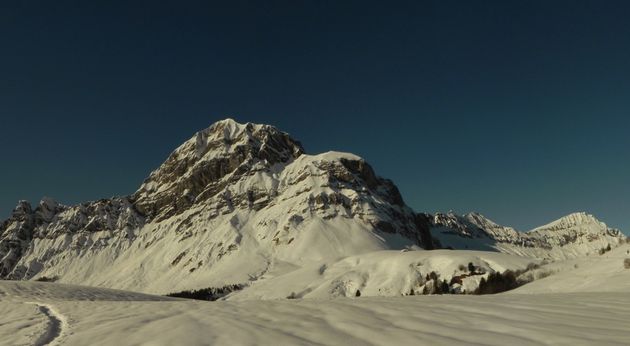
107, 317
29, 310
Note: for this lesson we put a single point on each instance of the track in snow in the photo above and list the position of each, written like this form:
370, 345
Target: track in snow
54, 327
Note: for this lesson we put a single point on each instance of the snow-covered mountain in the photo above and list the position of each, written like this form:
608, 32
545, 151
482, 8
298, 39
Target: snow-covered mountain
574, 235
241, 202
230, 204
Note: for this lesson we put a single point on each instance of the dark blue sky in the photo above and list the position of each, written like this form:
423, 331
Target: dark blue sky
516, 109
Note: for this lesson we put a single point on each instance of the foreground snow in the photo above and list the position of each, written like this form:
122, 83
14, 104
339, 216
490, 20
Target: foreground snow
90, 316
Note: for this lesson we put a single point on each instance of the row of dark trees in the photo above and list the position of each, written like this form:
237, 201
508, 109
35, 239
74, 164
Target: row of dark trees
209, 294
495, 283
47, 279
605, 249
498, 282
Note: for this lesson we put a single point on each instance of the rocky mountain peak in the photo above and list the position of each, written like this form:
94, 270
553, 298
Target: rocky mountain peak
578, 219
227, 137
571, 236
47, 209
213, 158
22, 210
15, 236
484, 222
480, 220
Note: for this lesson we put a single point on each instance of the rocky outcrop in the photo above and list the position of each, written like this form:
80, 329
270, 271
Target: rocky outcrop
16, 234
50, 220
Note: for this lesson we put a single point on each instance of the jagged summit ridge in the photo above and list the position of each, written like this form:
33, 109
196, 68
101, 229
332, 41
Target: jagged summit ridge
228, 135
209, 161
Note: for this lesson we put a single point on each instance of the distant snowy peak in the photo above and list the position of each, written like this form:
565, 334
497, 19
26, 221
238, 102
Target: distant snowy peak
471, 225
490, 227
580, 219
574, 235
475, 224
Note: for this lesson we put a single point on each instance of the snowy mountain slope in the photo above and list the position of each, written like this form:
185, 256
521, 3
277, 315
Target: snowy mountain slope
230, 204
381, 273
526, 319
596, 273
575, 235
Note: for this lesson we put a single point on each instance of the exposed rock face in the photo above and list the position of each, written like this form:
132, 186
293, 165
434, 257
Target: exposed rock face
214, 158
574, 235
230, 204
16, 235
51, 220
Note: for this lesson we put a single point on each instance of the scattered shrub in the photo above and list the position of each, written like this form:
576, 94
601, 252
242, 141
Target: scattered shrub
533, 266
626, 263
47, 279
542, 275
432, 276
444, 288
358, 294
461, 267
471, 267
604, 250
434, 285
